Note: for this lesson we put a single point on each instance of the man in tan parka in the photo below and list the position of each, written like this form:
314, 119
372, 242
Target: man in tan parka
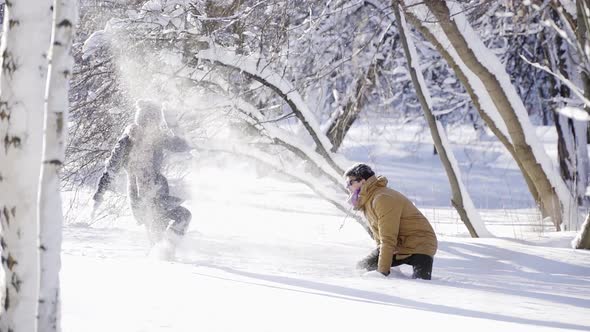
402, 233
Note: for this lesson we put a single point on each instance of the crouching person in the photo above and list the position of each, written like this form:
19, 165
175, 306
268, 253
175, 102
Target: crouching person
402, 233
140, 152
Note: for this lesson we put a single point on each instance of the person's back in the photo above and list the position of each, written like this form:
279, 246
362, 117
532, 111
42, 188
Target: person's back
402, 233
414, 232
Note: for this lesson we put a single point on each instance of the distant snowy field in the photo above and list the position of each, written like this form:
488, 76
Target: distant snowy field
263, 254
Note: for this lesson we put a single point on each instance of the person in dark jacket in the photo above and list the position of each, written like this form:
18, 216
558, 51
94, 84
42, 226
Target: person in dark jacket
140, 152
402, 233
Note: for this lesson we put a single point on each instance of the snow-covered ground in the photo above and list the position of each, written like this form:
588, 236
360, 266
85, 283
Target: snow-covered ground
263, 254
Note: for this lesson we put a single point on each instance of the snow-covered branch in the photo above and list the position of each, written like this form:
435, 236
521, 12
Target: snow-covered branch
575, 89
261, 71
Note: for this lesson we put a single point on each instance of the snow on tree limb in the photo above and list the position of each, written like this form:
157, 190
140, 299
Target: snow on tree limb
577, 91
461, 199
574, 113
487, 110
556, 199
499, 72
422, 13
261, 71
295, 145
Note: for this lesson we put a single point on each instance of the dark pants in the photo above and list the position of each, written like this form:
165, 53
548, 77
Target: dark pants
421, 263
163, 207
180, 217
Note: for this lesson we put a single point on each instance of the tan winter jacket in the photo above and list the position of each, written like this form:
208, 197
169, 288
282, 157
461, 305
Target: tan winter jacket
398, 227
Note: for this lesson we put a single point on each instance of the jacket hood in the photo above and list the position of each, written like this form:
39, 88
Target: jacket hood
368, 189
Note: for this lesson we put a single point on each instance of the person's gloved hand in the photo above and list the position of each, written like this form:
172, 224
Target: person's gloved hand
374, 275
370, 262
363, 264
97, 198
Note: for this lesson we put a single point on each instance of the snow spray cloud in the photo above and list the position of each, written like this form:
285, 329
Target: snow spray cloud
217, 109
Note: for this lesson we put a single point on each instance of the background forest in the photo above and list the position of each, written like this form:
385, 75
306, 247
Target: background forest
478, 110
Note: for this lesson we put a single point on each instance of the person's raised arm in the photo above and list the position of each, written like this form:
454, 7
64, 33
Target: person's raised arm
113, 165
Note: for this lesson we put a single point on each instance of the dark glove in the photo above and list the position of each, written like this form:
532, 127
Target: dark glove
103, 185
370, 262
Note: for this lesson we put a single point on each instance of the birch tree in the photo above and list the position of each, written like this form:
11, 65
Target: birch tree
50, 206
461, 199
25, 41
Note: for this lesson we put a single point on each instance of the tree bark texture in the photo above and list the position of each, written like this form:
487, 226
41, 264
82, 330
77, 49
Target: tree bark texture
50, 205
554, 196
582, 240
25, 41
460, 198
461, 75
284, 90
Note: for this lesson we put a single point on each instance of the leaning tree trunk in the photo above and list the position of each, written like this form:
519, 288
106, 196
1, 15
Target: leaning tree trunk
339, 127
461, 199
554, 195
50, 207
476, 96
25, 41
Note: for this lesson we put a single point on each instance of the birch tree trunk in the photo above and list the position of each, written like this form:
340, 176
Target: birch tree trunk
460, 197
25, 41
50, 207
554, 195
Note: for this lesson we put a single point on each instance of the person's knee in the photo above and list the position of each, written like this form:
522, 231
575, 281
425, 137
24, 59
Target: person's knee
422, 265
184, 214
182, 218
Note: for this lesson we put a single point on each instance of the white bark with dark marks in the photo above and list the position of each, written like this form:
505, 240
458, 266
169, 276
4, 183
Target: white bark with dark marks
25, 41
50, 206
